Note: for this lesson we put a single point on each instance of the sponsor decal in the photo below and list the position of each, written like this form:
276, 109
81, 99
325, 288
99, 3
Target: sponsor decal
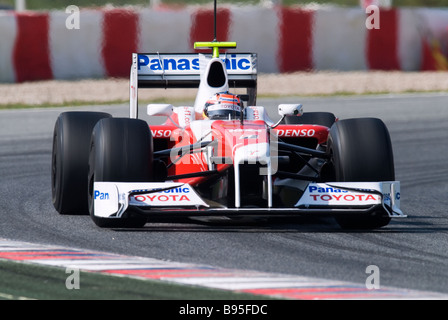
173, 194
387, 196
326, 193
162, 198
190, 63
325, 189
256, 114
296, 132
173, 64
188, 115
105, 198
225, 106
98, 195
335, 194
161, 133
237, 64
165, 196
340, 197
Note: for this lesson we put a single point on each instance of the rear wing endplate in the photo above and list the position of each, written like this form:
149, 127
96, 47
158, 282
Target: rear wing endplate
183, 70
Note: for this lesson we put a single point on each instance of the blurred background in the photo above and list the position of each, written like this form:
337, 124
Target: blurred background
39, 39
60, 4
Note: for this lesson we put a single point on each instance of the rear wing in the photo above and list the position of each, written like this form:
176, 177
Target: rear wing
183, 70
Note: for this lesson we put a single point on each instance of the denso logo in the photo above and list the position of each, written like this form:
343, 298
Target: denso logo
296, 132
100, 195
180, 63
161, 133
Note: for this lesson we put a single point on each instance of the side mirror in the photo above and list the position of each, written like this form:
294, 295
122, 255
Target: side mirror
160, 109
290, 110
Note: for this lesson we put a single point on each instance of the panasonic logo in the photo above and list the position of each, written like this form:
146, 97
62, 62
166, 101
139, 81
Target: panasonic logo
101, 195
163, 190
326, 190
156, 64
185, 63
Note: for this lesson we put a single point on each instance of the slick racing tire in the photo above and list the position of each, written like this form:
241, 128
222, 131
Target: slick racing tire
120, 151
320, 118
361, 150
70, 160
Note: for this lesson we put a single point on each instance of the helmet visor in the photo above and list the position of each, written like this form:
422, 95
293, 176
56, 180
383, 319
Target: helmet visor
223, 111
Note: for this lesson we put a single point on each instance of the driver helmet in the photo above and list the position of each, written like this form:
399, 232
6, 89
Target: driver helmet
223, 106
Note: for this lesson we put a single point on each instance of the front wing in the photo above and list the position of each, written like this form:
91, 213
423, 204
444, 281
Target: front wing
112, 199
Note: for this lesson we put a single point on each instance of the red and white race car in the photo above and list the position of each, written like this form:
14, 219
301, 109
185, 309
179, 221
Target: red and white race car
221, 156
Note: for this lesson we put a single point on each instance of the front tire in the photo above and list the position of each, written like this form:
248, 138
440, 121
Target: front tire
121, 150
361, 150
70, 158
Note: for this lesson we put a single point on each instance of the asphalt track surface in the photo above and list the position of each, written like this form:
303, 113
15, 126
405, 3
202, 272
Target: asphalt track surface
410, 253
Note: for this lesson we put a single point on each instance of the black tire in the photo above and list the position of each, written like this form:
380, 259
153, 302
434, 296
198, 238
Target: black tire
320, 118
121, 150
70, 159
361, 150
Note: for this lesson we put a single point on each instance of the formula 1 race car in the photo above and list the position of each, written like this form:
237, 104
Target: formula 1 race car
222, 156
